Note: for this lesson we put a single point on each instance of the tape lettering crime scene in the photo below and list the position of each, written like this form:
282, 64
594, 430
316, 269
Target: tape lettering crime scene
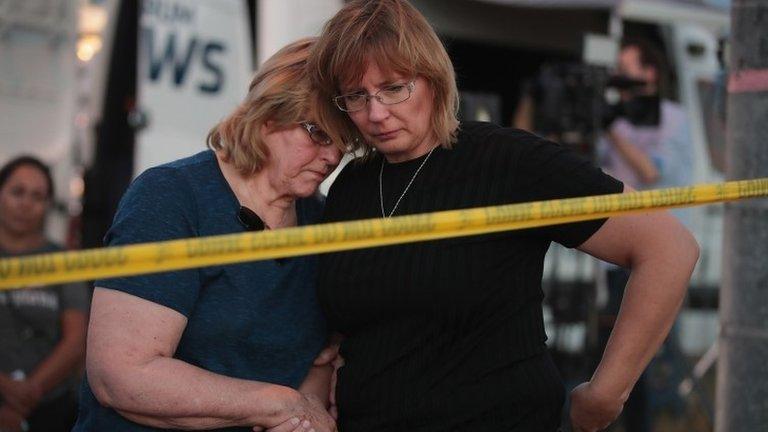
35, 270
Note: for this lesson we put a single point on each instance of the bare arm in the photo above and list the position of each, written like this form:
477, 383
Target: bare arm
316, 387
640, 162
662, 255
131, 369
318, 383
66, 355
321, 380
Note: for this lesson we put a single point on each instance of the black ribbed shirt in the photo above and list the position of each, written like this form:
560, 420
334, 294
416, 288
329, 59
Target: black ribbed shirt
448, 335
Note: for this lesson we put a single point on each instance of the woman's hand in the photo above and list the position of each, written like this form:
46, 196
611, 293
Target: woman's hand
338, 362
330, 355
312, 409
307, 415
10, 420
592, 410
293, 424
327, 355
21, 396
319, 377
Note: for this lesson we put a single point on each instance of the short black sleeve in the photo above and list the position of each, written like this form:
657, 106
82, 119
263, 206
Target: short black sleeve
547, 170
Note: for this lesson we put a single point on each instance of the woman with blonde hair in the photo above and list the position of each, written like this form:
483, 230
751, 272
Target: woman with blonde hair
227, 347
448, 335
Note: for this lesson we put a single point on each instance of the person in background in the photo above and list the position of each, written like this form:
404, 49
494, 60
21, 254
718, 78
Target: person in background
226, 347
647, 146
42, 329
649, 143
448, 335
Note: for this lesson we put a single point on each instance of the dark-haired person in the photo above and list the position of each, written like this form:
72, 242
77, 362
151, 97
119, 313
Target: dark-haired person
227, 347
649, 143
42, 329
448, 335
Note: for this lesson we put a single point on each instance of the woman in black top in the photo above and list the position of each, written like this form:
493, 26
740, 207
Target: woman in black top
448, 335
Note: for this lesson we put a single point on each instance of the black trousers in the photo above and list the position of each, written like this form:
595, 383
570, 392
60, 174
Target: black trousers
57, 415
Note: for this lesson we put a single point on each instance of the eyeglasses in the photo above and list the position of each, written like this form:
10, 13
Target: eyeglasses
389, 95
316, 134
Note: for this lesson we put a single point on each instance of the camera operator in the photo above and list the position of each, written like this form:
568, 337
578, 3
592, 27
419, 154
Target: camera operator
646, 145
648, 142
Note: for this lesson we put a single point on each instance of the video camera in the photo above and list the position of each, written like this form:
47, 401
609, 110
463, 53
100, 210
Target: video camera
575, 101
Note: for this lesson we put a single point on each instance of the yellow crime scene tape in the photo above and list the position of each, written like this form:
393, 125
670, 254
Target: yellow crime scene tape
36, 270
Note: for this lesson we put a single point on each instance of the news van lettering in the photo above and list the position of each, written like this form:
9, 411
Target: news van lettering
180, 57
178, 50
168, 11
218, 73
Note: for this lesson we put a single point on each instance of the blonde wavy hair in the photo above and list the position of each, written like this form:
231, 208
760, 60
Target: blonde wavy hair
399, 39
279, 92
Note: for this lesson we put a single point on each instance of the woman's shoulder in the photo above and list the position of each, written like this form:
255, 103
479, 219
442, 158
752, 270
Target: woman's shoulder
357, 170
495, 145
311, 209
482, 135
199, 165
202, 160
485, 130
169, 191
158, 183
356, 179
179, 176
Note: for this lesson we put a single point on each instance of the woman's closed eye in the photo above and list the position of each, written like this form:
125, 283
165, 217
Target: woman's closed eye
394, 88
355, 97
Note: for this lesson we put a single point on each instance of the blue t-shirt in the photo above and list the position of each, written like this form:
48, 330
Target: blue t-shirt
257, 321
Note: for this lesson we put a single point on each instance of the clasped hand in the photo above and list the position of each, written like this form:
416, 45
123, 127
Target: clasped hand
309, 415
592, 411
10, 420
21, 396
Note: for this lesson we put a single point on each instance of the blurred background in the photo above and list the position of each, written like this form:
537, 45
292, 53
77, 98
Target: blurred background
103, 89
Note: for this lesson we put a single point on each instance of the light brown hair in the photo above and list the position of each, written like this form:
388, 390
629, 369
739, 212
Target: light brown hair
279, 92
399, 39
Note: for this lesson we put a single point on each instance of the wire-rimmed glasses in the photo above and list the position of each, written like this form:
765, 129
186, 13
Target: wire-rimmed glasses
388, 95
316, 134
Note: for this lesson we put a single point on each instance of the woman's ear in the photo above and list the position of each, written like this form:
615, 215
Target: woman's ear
267, 128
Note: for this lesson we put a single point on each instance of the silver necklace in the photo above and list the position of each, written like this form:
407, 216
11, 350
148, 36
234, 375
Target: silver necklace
381, 187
